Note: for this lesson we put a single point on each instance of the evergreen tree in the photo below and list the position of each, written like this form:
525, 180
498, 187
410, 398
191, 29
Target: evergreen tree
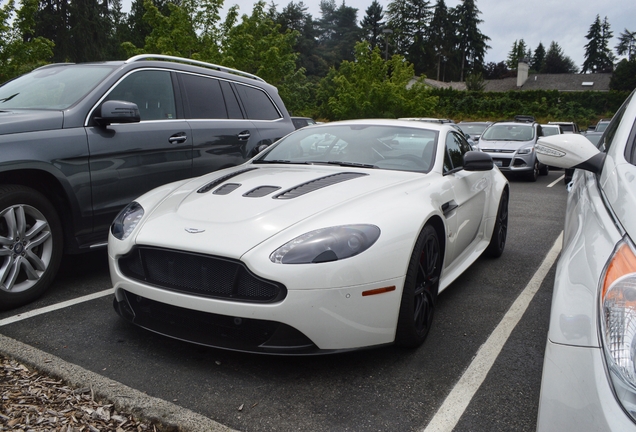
496, 71
472, 44
624, 76
294, 17
373, 24
516, 54
556, 62
52, 23
409, 20
627, 44
338, 32
441, 38
598, 56
89, 30
538, 59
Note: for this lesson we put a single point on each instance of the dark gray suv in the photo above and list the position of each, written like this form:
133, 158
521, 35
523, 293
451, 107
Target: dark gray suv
80, 141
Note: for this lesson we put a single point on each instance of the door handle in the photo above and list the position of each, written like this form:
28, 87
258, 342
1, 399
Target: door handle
178, 138
244, 136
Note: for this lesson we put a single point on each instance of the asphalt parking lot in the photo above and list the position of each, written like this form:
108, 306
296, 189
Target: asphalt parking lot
479, 369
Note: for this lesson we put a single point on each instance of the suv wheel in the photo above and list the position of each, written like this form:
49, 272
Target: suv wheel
30, 245
534, 174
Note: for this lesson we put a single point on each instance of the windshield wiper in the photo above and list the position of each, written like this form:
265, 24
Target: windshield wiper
8, 98
351, 164
279, 161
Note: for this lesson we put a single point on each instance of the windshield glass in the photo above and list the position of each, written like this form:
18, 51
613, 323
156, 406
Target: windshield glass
473, 129
601, 126
509, 132
550, 130
370, 146
55, 87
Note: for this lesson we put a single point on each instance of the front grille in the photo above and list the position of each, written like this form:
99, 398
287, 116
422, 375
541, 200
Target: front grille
199, 274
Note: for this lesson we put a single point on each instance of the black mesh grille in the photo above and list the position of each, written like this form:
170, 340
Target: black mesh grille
197, 274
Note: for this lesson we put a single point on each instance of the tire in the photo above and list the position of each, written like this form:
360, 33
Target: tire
500, 231
544, 170
420, 290
30, 245
534, 174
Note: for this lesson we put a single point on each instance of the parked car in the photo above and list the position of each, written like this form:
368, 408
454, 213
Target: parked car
567, 127
601, 125
81, 141
473, 129
312, 248
589, 379
551, 129
300, 122
449, 122
511, 145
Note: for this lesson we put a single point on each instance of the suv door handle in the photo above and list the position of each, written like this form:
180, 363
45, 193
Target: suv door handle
244, 136
178, 138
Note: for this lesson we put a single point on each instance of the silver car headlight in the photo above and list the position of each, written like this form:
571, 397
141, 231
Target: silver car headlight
526, 150
618, 324
127, 220
327, 244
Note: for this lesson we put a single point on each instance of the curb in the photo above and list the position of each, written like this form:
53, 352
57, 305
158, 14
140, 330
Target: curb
168, 416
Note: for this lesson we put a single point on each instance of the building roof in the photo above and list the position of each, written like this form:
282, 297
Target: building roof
560, 82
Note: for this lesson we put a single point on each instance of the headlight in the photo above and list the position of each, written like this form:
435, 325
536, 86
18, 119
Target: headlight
526, 150
327, 244
127, 220
618, 324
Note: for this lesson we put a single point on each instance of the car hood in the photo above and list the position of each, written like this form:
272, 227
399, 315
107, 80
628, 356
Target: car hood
502, 145
18, 121
254, 203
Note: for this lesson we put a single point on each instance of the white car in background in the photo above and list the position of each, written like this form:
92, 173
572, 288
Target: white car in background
589, 370
340, 236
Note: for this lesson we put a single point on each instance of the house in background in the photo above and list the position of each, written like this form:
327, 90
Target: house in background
524, 81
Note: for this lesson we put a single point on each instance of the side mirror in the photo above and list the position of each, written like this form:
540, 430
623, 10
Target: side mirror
114, 111
477, 161
569, 151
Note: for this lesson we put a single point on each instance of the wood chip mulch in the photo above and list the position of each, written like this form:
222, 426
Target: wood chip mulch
31, 401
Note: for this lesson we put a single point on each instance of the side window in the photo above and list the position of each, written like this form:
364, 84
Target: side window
203, 97
151, 90
456, 146
257, 104
233, 107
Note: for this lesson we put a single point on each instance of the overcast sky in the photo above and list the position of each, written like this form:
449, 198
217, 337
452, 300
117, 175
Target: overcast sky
504, 21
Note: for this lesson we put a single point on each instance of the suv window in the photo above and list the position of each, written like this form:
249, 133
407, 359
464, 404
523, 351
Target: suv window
257, 104
204, 98
151, 90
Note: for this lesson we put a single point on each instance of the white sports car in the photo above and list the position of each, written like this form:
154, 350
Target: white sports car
339, 236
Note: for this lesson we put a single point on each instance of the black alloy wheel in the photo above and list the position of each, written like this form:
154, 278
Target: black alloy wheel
420, 290
500, 231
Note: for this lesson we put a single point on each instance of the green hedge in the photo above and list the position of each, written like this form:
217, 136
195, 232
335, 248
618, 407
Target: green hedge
584, 108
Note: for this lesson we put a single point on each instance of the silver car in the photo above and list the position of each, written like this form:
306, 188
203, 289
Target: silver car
589, 370
511, 146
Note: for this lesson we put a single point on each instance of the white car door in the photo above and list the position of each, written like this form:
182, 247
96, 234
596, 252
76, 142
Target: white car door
469, 189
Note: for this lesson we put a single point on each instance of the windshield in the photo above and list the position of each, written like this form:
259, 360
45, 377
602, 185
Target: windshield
473, 129
601, 126
509, 132
55, 87
360, 145
550, 130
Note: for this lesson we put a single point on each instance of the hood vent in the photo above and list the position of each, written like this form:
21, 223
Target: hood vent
214, 183
261, 191
318, 183
227, 188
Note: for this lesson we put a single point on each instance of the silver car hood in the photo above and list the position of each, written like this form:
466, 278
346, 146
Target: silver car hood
502, 145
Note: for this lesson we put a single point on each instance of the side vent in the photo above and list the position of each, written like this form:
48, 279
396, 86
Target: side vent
214, 183
261, 191
318, 183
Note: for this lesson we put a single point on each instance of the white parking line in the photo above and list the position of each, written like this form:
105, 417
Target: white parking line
456, 402
556, 181
54, 307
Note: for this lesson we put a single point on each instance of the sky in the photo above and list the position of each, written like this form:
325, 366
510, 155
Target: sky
504, 21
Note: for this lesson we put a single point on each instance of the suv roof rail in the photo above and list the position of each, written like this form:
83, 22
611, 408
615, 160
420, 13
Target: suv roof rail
194, 62
524, 118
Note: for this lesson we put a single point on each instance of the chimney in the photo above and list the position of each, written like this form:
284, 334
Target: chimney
522, 72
